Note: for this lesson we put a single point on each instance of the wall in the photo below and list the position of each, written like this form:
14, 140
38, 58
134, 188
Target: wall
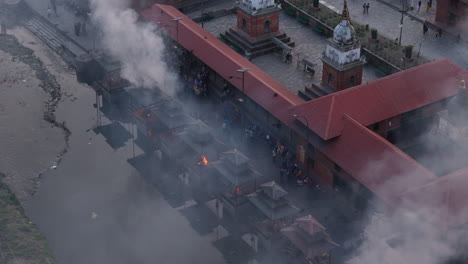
447, 7
255, 24
341, 79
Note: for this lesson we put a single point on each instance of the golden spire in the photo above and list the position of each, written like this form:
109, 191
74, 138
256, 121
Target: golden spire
345, 14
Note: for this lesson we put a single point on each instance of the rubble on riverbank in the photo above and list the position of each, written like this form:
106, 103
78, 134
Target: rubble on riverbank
48, 83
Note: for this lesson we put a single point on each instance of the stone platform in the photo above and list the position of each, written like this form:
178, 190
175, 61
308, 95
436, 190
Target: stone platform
256, 47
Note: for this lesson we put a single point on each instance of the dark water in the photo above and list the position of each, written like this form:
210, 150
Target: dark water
95, 207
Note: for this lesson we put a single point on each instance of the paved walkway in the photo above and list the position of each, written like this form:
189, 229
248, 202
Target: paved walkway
309, 45
65, 22
386, 19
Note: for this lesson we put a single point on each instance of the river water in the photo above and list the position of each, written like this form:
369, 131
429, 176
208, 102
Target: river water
94, 207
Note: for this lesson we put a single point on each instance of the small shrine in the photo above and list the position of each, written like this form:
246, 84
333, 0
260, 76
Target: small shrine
257, 30
237, 174
271, 200
342, 61
309, 237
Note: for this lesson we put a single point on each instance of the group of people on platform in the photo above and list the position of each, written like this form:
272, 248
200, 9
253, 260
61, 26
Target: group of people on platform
195, 75
200, 82
290, 171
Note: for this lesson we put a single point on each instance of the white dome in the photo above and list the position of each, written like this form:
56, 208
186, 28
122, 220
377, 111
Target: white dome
343, 33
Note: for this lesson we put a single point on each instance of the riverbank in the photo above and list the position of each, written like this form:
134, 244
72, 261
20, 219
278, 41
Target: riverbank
90, 199
32, 141
20, 240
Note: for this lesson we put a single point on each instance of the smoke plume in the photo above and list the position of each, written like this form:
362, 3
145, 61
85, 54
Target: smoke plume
404, 237
137, 45
414, 232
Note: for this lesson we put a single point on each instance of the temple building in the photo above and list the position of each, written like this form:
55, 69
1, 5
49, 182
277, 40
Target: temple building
257, 30
271, 200
309, 236
236, 172
342, 62
344, 133
452, 14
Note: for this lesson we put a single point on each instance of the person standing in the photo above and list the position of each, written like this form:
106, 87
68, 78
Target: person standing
54, 6
427, 7
77, 28
49, 12
440, 32
364, 8
367, 8
419, 5
83, 29
425, 28
2, 27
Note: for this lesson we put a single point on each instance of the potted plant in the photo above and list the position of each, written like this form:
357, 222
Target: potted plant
409, 52
316, 5
290, 11
374, 33
207, 16
373, 37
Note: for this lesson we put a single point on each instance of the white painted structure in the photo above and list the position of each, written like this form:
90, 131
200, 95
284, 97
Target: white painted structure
341, 57
258, 4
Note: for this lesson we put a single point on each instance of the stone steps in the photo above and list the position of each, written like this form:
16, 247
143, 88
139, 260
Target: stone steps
258, 48
54, 38
314, 92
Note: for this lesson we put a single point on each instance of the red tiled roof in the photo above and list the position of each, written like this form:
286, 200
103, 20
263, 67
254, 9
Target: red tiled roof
383, 98
445, 198
259, 86
374, 162
340, 118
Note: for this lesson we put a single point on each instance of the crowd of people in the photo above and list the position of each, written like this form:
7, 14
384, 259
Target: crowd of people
194, 74
290, 171
200, 82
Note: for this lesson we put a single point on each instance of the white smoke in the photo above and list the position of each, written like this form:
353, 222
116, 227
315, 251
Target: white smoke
403, 238
136, 45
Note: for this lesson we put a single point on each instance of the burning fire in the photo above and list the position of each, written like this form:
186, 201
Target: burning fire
204, 161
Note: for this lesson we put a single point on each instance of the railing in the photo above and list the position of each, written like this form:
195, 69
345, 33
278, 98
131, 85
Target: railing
383, 52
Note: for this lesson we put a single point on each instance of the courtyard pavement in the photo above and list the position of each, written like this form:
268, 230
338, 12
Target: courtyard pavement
386, 20
309, 45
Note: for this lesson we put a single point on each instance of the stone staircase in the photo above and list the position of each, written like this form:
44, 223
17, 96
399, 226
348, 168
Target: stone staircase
314, 92
258, 48
215, 14
55, 38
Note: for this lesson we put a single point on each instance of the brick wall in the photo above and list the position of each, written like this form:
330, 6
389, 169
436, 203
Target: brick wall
341, 79
445, 8
255, 25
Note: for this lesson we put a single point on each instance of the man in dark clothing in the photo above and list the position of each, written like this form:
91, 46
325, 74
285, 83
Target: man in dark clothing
83, 29
2, 28
77, 28
54, 6
367, 8
425, 28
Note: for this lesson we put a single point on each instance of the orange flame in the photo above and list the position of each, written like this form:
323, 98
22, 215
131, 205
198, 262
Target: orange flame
204, 161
